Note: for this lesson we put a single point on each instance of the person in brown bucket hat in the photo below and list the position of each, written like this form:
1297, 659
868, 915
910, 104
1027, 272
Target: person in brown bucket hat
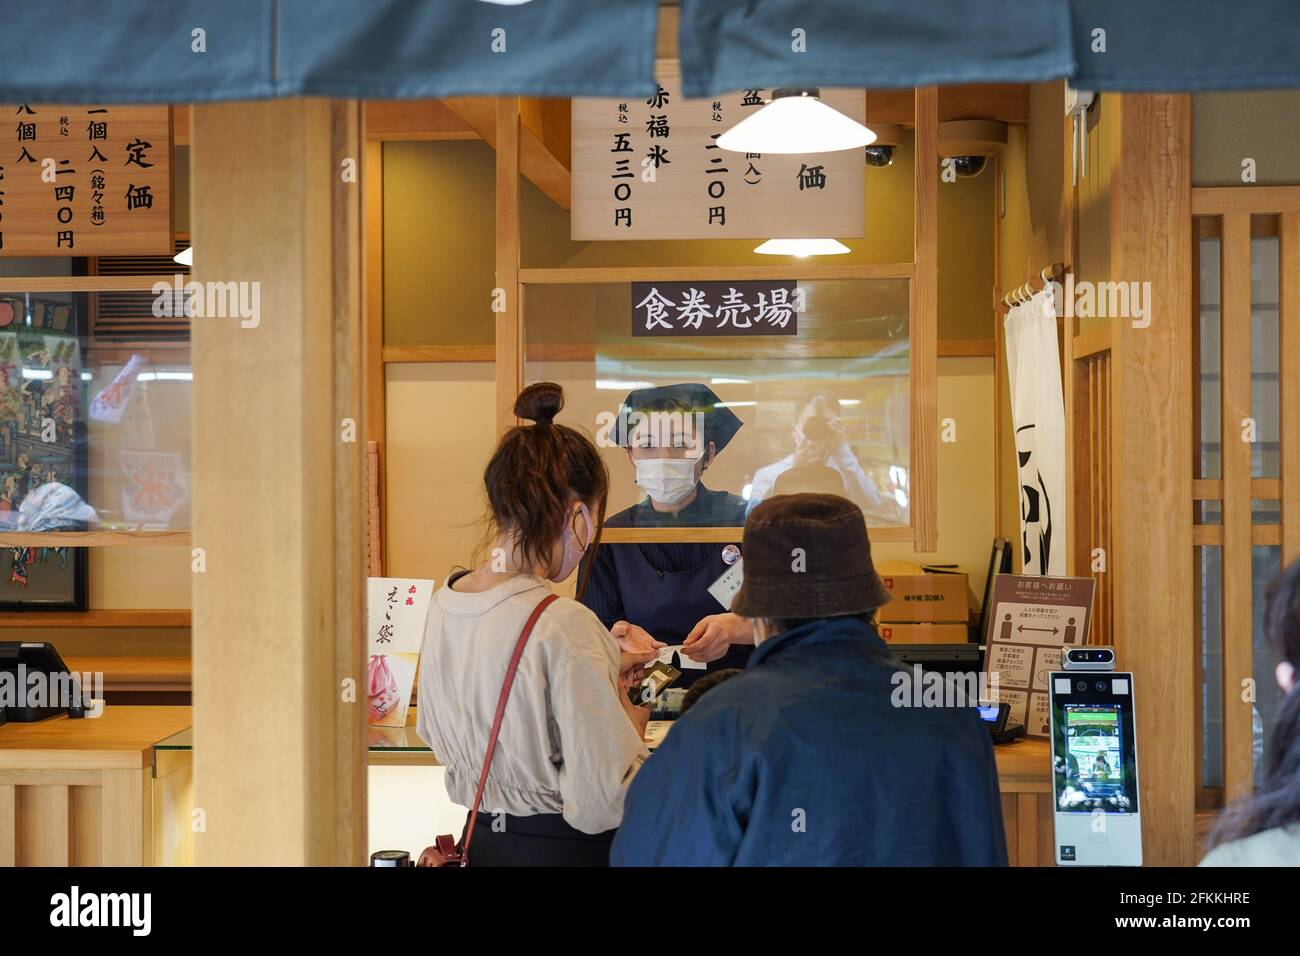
812, 756
807, 556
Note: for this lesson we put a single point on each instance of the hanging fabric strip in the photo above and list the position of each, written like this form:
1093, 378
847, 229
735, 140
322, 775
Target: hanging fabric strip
1185, 45
181, 51
135, 51
178, 51
1038, 414
397, 49
871, 43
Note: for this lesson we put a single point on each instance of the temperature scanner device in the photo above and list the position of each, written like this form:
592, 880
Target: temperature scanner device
1094, 762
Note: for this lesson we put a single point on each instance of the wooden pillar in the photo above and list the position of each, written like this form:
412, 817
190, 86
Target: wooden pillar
924, 340
509, 322
374, 376
1152, 563
1238, 622
1289, 349
279, 732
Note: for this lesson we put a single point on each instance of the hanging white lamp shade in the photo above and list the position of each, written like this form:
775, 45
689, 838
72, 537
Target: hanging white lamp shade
796, 121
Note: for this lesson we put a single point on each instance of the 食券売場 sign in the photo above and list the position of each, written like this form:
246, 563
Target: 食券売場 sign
716, 308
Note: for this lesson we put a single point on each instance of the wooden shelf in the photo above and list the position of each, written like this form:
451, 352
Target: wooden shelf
35, 284
91, 539
145, 617
796, 271
154, 674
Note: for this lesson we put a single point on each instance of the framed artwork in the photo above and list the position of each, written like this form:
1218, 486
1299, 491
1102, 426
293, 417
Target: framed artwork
42, 449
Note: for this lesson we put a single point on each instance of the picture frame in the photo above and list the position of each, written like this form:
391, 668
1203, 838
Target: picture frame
43, 440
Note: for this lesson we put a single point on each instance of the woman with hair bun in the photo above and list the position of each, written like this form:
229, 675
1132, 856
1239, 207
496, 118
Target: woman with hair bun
570, 740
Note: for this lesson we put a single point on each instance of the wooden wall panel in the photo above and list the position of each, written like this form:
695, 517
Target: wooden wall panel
1090, 466
43, 836
8, 824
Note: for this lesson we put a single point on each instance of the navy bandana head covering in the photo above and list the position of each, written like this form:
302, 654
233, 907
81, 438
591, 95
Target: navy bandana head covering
720, 422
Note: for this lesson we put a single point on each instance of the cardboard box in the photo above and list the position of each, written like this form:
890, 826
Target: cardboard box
923, 633
926, 598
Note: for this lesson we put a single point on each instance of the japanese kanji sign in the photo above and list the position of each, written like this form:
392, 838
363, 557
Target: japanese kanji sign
1033, 619
85, 180
716, 308
651, 168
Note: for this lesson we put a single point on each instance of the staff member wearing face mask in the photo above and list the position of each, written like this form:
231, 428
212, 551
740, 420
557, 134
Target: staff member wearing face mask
648, 592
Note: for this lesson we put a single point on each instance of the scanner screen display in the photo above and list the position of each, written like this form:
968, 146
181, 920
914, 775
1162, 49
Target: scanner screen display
1093, 757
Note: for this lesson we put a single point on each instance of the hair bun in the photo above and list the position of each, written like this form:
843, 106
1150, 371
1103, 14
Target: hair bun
540, 403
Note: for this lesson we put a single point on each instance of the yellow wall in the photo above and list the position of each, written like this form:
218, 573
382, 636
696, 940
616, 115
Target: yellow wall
966, 473
441, 433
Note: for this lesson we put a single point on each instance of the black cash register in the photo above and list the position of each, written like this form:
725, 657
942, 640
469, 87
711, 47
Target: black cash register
62, 690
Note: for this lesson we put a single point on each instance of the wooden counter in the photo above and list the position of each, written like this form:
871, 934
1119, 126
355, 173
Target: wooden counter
1025, 776
92, 792
83, 792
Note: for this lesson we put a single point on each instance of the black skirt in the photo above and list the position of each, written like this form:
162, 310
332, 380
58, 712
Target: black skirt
542, 840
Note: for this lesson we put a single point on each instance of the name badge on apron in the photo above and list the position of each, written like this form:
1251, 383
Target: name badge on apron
725, 588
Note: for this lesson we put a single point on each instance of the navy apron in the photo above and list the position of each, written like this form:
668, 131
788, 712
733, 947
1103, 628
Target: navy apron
668, 604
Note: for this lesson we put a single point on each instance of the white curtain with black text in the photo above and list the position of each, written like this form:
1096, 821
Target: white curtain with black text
1038, 414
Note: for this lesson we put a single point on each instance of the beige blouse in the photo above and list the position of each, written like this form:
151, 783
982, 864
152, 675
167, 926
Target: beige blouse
566, 744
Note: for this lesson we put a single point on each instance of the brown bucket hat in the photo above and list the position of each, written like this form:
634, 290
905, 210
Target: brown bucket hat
807, 556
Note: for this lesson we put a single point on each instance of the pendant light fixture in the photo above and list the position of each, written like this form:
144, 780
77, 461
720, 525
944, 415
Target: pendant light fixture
796, 121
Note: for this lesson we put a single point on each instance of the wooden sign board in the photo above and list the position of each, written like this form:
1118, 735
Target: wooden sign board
85, 180
651, 169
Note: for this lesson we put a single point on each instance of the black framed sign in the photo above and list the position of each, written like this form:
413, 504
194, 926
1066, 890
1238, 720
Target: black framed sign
702, 309
42, 449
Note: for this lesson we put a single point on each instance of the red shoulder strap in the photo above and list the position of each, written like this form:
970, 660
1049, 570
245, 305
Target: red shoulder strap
501, 709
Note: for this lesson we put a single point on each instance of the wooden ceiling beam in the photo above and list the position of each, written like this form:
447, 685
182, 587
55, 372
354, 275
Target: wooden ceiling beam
1007, 102
405, 120
542, 167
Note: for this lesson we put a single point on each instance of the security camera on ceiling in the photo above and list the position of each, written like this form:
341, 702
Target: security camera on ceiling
966, 145
888, 137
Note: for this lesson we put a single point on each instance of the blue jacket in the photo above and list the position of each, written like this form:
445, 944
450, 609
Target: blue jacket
803, 760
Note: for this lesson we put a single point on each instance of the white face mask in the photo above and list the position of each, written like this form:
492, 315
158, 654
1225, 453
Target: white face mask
572, 556
666, 480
